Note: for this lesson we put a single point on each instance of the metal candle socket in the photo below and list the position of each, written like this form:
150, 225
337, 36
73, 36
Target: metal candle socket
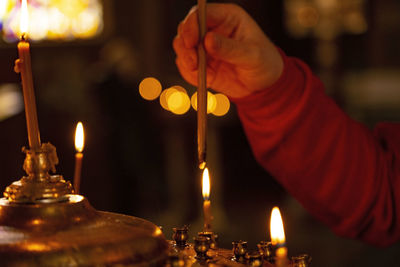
180, 236
266, 249
213, 238
254, 259
201, 246
303, 260
239, 250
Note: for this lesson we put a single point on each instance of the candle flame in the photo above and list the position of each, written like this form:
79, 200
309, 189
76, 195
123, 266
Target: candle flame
276, 227
3, 9
79, 138
206, 184
24, 25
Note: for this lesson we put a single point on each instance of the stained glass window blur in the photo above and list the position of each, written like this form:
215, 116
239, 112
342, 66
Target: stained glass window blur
53, 19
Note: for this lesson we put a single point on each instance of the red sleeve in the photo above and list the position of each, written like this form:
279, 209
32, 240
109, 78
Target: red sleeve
341, 172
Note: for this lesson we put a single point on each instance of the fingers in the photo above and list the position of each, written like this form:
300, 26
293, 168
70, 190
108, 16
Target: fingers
189, 75
221, 18
229, 50
186, 56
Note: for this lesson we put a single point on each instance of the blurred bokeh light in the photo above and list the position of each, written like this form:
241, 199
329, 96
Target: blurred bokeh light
211, 102
222, 105
179, 102
53, 19
150, 88
176, 99
11, 101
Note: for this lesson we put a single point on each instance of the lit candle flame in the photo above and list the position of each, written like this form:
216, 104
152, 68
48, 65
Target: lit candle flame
24, 25
206, 184
276, 227
3, 7
79, 138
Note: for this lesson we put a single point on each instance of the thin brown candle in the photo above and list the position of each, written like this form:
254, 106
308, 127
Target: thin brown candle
79, 144
23, 66
202, 86
206, 203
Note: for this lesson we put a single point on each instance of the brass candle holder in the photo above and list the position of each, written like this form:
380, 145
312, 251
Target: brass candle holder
254, 259
239, 250
180, 236
303, 260
212, 237
266, 249
201, 246
39, 185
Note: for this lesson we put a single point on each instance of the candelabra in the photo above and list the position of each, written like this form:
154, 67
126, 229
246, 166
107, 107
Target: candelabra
43, 222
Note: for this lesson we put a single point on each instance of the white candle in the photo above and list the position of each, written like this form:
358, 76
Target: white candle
23, 66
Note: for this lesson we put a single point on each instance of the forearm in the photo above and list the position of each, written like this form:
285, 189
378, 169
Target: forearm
333, 165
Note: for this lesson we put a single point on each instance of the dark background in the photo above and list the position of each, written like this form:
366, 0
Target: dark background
141, 160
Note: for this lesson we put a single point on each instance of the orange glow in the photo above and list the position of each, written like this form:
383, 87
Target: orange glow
276, 227
79, 138
37, 222
206, 184
150, 88
157, 232
36, 247
222, 105
24, 19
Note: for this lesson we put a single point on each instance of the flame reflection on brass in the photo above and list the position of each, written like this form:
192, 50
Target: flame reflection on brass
37, 247
157, 232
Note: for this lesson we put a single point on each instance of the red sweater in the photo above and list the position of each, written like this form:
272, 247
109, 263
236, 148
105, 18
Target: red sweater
343, 173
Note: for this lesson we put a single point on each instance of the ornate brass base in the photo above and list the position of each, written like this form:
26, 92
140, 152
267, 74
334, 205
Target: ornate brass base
30, 190
72, 233
39, 185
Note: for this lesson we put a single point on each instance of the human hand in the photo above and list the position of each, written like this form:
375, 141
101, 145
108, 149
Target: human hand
240, 58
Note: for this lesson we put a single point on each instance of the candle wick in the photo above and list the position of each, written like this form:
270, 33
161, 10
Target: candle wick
23, 37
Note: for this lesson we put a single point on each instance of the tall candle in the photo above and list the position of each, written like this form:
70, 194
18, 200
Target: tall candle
202, 86
23, 66
206, 203
79, 145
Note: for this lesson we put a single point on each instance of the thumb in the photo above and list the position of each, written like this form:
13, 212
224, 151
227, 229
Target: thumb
227, 49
